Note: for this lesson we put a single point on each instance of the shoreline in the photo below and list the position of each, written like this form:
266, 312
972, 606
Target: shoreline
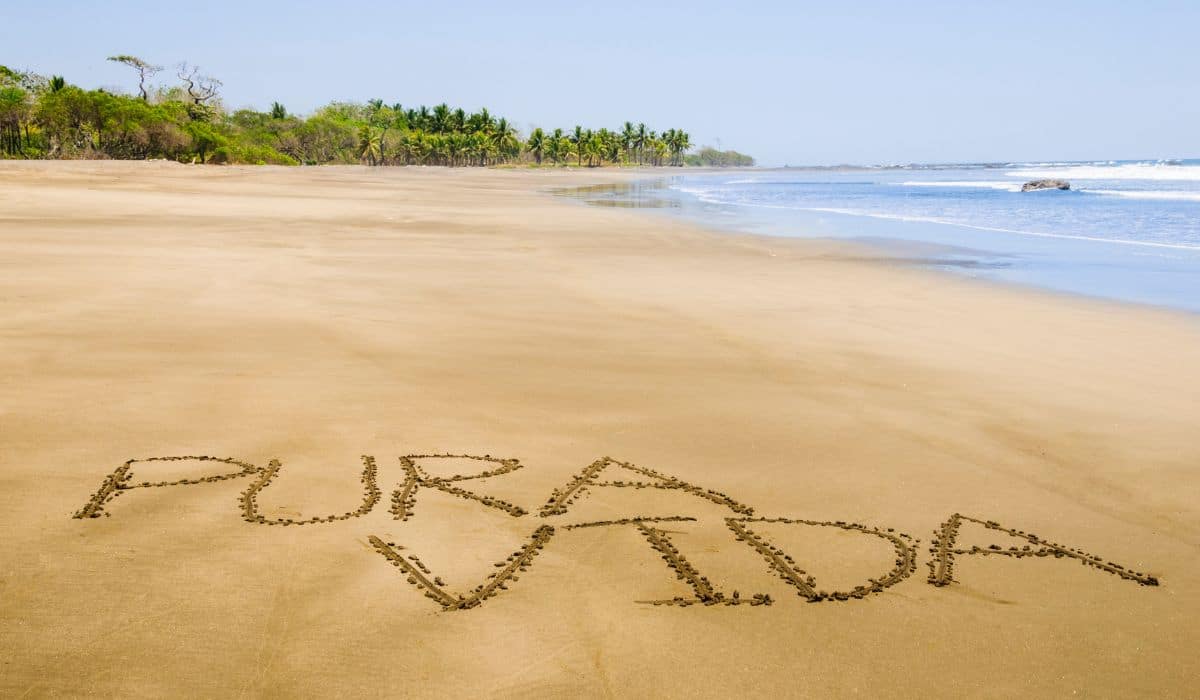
908, 253
1146, 273
624, 384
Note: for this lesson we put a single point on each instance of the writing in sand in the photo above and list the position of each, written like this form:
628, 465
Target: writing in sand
606, 473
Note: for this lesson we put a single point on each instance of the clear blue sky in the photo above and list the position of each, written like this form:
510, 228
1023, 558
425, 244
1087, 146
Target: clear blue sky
789, 82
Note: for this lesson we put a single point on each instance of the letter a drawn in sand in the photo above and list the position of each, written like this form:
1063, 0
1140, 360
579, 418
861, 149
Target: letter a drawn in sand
941, 566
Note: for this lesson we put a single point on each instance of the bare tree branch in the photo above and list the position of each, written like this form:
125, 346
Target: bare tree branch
200, 88
144, 70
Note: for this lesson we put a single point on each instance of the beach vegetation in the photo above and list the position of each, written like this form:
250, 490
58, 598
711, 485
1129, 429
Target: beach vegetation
187, 120
709, 157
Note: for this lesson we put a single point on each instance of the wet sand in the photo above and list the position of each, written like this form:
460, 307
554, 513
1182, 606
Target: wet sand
438, 432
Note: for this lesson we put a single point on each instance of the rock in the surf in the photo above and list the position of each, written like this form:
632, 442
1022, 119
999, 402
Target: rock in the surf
1045, 185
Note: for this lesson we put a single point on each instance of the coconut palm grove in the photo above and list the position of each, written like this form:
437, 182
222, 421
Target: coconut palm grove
185, 120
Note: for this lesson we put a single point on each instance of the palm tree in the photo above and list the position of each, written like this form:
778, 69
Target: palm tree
399, 117
659, 149
537, 144
556, 146
585, 147
594, 147
640, 139
489, 151
605, 145
628, 134
418, 147
683, 142
677, 142
577, 138
475, 150
369, 145
454, 147
441, 119
504, 139
480, 121
439, 149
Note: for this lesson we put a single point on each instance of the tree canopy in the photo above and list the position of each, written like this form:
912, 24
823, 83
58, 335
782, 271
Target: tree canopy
712, 158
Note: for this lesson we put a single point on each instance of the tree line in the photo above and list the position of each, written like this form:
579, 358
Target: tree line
186, 121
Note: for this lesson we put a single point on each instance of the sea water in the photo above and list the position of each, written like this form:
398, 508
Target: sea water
1126, 230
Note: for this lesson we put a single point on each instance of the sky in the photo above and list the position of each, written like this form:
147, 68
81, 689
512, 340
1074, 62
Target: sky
787, 82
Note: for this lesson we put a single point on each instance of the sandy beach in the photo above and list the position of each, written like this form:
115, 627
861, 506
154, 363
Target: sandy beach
791, 420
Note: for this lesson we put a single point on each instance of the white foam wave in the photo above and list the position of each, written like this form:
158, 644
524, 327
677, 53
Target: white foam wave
1161, 195
699, 192
1005, 185
1060, 164
1037, 234
1127, 171
708, 196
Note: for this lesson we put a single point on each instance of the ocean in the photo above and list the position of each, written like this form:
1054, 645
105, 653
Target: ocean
1126, 230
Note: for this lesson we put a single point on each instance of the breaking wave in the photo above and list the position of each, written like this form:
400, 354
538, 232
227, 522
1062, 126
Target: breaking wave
1125, 171
1004, 185
1160, 195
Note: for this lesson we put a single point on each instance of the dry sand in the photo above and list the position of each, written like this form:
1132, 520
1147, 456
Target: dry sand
317, 315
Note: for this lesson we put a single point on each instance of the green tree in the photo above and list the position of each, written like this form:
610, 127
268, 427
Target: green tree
628, 137
205, 139
678, 142
440, 119
593, 148
640, 140
577, 139
536, 144
15, 108
712, 158
504, 140
369, 144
